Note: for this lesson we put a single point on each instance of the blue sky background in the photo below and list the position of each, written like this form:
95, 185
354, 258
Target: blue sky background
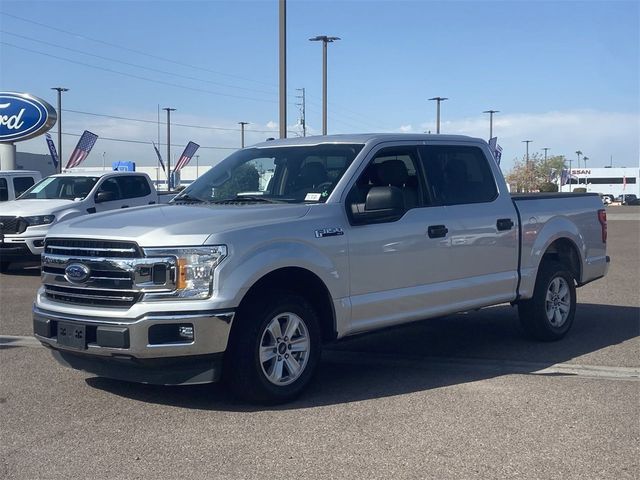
563, 74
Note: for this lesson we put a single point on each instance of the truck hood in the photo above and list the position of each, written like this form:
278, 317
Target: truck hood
30, 207
174, 225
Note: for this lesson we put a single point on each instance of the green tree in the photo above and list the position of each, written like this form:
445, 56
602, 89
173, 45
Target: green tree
244, 178
532, 177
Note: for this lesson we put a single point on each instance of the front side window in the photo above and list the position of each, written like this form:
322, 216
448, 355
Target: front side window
65, 187
133, 186
288, 174
112, 187
458, 175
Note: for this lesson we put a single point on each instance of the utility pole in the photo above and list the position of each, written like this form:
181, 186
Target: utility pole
528, 169
491, 112
242, 124
169, 110
545, 152
283, 68
584, 160
60, 159
578, 153
438, 100
197, 166
324, 39
303, 109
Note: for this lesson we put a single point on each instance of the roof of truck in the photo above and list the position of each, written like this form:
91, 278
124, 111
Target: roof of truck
365, 138
71, 173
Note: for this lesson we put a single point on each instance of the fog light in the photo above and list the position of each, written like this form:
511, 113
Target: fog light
186, 332
38, 243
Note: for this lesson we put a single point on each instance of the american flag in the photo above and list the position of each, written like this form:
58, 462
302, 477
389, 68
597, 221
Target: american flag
189, 150
84, 146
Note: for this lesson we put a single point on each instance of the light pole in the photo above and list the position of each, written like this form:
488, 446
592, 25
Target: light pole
324, 39
584, 160
242, 124
527, 157
578, 153
491, 112
197, 166
438, 100
545, 153
283, 67
60, 90
169, 110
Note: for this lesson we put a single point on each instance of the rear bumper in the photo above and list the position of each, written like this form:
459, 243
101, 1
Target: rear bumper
148, 349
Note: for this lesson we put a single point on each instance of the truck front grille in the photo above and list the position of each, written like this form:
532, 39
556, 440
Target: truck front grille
102, 273
12, 225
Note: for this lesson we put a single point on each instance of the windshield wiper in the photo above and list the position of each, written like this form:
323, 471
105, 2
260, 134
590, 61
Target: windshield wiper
187, 198
247, 199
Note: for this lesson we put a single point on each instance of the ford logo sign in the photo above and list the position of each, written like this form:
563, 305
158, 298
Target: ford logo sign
77, 273
23, 116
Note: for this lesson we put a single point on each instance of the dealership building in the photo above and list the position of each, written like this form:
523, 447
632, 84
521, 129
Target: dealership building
615, 180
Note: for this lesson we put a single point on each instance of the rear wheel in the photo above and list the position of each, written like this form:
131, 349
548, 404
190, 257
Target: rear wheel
274, 350
549, 314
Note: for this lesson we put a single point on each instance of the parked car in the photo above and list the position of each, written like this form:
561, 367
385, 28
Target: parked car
607, 198
627, 199
25, 221
14, 183
291, 244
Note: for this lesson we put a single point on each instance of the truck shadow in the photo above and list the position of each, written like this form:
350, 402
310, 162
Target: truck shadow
421, 356
29, 269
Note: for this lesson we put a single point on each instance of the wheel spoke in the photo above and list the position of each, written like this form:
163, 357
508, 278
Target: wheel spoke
276, 373
274, 328
557, 318
266, 353
300, 344
549, 297
564, 307
292, 365
564, 290
291, 326
555, 285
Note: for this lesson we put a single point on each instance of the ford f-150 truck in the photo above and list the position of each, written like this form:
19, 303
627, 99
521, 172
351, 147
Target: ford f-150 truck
25, 221
290, 244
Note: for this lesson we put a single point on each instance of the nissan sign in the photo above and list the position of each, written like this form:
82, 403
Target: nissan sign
23, 116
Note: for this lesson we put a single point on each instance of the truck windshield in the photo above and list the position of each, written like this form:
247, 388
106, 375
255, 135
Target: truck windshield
67, 188
292, 174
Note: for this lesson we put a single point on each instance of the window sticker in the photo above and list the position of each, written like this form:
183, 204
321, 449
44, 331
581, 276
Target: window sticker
38, 188
312, 197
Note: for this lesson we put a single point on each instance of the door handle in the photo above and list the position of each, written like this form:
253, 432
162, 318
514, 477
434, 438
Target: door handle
504, 224
437, 231
124, 206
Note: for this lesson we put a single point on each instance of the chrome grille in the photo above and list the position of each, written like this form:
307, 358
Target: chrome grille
12, 225
118, 274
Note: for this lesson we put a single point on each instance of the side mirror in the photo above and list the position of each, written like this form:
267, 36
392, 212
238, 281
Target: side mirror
383, 204
105, 197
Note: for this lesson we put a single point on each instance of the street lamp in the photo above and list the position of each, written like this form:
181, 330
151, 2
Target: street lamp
527, 161
169, 110
324, 39
545, 152
438, 100
584, 160
242, 124
578, 153
491, 112
60, 90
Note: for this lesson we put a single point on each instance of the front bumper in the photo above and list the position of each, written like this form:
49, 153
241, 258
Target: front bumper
146, 349
15, 249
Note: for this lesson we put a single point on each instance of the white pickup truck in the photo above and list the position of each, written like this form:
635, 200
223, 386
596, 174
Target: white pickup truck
14, 183
291, 244
25, 221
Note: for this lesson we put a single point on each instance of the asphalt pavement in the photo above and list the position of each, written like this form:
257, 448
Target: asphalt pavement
465, 396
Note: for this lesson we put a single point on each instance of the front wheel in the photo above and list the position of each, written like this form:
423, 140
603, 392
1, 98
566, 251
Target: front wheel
274, 350
549, 314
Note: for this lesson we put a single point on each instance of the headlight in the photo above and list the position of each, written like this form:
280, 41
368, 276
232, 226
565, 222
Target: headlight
193, 271
39, 220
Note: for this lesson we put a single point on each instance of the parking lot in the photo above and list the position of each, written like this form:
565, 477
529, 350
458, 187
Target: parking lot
465, 396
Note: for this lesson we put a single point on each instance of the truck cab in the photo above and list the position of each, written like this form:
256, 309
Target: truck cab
14, 183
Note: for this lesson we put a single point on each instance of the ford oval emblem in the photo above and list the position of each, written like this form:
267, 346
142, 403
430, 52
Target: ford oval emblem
77, 272
23, 116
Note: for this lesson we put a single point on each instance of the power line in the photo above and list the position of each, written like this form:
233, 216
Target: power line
139, 77
164, 72
142, 142
114, 45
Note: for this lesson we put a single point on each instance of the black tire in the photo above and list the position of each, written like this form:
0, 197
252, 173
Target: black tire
545, 320
246, 374
4, 266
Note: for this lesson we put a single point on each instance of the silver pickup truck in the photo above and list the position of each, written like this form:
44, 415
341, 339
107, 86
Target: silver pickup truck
291, 244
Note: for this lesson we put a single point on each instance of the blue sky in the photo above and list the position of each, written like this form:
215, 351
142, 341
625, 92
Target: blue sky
563, 74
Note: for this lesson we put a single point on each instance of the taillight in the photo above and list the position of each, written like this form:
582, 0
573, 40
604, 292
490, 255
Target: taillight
602, 218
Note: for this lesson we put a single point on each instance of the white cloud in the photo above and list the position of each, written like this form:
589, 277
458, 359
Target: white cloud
406, 128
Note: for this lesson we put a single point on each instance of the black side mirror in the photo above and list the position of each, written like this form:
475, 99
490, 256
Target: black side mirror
383, 204
105, 197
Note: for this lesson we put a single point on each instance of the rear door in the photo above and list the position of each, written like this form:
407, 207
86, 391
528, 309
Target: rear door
480, 223
135, 190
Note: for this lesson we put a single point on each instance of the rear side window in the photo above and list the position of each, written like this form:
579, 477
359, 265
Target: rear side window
22, 184
458, 175
133, 186
4, 190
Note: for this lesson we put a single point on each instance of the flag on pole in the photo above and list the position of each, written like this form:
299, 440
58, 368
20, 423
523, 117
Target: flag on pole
188, 153
495, 149
159, 157
84, 146
52, 151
